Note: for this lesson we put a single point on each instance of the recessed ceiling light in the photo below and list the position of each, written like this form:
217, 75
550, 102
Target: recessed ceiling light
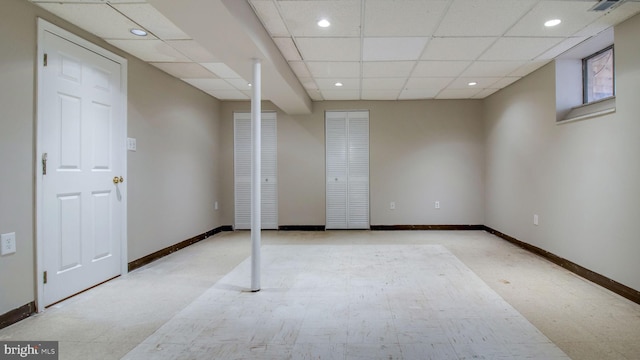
473, 83
553, 22
249, 84
324, 23
138, 32
338, 84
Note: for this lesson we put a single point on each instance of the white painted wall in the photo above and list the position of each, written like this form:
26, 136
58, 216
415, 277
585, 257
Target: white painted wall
582, 178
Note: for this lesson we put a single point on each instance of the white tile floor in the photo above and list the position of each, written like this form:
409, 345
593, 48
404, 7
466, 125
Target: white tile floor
350, 302
378, 306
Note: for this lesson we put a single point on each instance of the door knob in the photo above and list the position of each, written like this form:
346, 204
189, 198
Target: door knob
117, 180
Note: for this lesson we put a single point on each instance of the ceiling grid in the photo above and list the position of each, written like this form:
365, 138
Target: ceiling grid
377, 49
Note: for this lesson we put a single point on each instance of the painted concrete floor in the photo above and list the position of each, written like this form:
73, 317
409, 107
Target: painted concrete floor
344, 295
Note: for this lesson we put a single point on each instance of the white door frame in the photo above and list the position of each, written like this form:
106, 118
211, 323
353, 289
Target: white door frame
43, 27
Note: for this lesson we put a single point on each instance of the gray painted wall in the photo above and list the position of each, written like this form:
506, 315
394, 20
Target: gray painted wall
495, 162
420, 152
172, 177
582, 178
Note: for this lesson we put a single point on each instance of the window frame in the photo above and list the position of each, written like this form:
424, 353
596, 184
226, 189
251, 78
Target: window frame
585, 82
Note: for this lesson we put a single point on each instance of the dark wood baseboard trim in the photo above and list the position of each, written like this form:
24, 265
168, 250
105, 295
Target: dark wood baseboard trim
18, 314
173, 248
605, 282
301, 227
427, 227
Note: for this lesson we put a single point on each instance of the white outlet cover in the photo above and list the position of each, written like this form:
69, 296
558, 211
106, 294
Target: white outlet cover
8, 242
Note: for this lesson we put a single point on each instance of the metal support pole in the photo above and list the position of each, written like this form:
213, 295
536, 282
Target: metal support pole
256, 223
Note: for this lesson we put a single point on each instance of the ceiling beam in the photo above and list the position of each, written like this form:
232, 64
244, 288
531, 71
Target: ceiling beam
231, 31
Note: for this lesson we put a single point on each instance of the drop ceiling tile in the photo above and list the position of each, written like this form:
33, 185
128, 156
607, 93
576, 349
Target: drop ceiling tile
152, 20
380, 94
315, 95
457, 93
184, 70
519, 48
375, 69
611, 18
484, 93
529, 67
439, 68
334, 69
270, 17
301, 17
574, 15
240, 84
425, 86
562, 47
88, 1
481, 83
456, 48
393, 48
402, 18
150, 50
504, 82
99, 19
383, 84
482, 17
308, 83
288, 48
222, 70
329, 84
492, 68
329, 49
341, 94
228, 94
417, 94
300, 69
210, 84
192, 50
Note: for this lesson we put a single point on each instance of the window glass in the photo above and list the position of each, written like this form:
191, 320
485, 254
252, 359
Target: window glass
598, 76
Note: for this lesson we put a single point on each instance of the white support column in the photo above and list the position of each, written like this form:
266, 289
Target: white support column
256, 178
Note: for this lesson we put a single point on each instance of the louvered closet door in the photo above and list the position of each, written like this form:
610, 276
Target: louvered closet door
242, 171
347, 170
336, 163
358, 181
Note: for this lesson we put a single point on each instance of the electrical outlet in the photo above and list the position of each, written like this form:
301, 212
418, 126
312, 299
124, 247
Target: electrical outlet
392, 205
8, 243
437, 205
215, 205
535, 219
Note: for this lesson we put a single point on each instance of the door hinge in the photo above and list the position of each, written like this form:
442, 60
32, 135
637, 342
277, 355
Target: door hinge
45, 62
44, 277
44, 163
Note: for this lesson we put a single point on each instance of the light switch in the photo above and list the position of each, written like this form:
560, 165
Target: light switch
131, 144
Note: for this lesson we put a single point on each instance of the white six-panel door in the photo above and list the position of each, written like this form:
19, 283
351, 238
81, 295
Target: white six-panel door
347, 169
242, 170
81, 138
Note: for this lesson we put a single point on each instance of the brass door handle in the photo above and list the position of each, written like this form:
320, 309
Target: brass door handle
117, 180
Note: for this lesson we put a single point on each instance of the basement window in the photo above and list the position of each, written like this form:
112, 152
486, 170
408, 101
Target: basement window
598, 76
585, 80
